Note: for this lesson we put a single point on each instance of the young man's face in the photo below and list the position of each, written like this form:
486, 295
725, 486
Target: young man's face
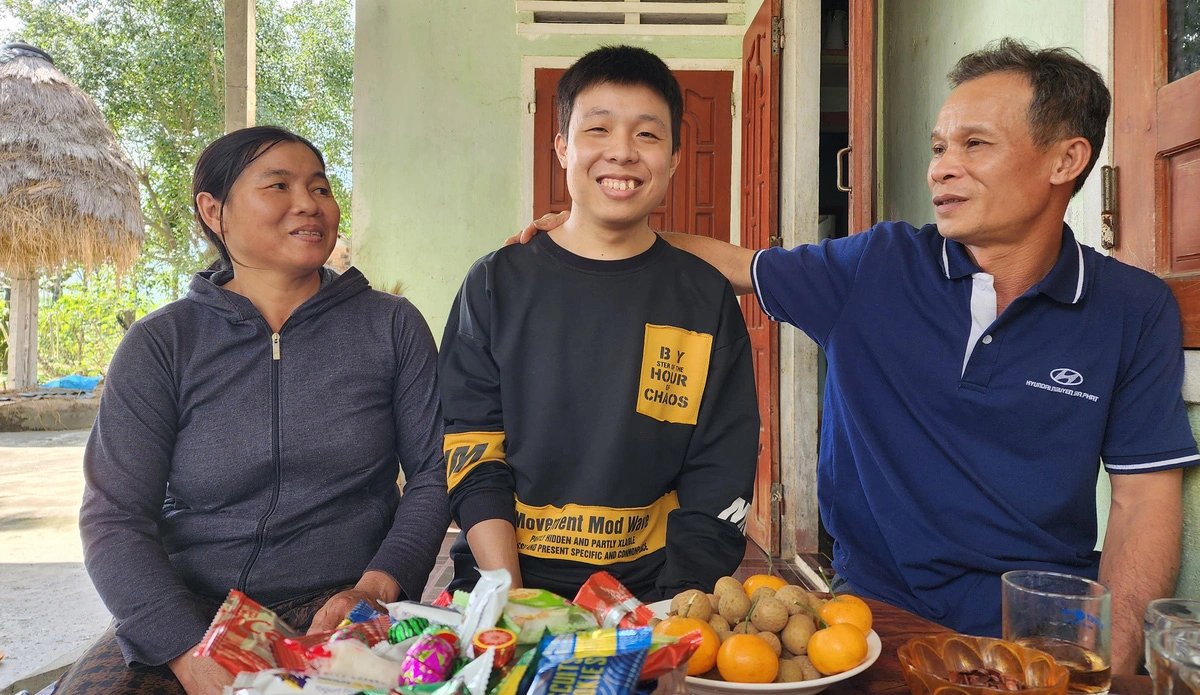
618, 155
988, 179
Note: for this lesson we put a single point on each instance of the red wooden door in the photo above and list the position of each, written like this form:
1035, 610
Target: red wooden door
1156, 146
861, 174
760, 223
698, 198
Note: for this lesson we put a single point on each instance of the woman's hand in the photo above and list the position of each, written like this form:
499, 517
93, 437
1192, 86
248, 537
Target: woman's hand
374, 588
545, 223
200, 675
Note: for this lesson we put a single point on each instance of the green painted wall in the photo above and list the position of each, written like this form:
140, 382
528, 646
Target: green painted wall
437, 135
920, 40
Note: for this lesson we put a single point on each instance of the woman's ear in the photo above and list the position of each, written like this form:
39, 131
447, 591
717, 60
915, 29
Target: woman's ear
210, 211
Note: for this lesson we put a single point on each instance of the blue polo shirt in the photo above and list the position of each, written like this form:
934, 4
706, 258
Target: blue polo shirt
957, 445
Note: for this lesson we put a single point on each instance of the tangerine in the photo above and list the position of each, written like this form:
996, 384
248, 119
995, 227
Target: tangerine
835, 649
757, 581
705, 656
747, 659
845, 608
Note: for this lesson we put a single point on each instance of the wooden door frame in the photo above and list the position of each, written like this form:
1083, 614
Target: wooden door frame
799, 146
530, 64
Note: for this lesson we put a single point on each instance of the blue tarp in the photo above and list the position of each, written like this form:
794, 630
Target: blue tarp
74, 381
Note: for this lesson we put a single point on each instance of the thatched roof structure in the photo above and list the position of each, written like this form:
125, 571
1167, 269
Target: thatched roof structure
68, 194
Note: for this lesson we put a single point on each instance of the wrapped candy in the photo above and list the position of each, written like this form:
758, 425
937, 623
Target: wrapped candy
244, 635
607, 661
406, 628
431, 658
611, 602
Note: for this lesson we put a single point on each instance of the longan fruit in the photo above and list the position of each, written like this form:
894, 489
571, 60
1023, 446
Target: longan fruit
762, 592
795, 598
809, 671
789, 672
654, 622
744, 628
769, 615
734, 606
695, 605
720, 626
681, 598
772, 640
714, 602
727, 584
796, 633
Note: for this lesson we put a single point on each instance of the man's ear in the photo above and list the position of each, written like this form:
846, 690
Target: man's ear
210, 211
675, 161
560, 147
1073, 157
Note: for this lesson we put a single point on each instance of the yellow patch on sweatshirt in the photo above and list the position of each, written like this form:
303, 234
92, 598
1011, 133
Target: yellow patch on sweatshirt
673, 375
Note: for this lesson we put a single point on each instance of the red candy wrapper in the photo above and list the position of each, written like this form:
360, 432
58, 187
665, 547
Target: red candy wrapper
665, 659
611, 603
243, 635
295, 653
443, 600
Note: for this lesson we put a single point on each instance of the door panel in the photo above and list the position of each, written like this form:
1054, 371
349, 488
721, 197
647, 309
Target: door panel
697, 200
1156, 145
862, 115
760, 222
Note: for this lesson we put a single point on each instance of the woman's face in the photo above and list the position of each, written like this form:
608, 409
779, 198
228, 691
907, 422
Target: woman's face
280, 214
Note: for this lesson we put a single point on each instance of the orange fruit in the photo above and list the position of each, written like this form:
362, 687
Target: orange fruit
845, 608
705, 656
835, 649
746, 659
760, 580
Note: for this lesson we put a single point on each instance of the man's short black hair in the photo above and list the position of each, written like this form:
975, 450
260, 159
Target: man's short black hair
621, 65
1070, 98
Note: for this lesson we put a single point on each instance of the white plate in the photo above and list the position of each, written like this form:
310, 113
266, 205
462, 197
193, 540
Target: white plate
704, 686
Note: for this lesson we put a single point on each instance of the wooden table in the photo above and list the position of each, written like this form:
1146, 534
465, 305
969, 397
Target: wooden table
896, 626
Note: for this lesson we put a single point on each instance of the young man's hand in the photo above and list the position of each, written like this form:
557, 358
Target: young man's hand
374, 588
200, 675
545, 223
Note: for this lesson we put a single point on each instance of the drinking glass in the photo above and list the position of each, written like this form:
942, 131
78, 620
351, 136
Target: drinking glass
1067, 617
1175, 655
1169, 614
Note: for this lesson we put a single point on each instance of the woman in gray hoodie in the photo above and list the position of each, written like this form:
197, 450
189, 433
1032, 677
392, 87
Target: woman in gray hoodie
250, 435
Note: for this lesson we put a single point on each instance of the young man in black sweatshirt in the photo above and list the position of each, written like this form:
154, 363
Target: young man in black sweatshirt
597, 384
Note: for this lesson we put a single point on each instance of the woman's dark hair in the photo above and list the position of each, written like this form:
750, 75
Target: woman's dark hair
1070, 98
224, 160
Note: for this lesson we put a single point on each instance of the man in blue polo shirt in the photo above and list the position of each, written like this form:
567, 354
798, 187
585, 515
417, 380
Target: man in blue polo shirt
981, 369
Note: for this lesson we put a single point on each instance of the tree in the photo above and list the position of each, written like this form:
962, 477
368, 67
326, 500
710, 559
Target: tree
156, 69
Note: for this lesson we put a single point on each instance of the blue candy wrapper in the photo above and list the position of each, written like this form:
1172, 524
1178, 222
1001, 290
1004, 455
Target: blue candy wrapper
362, 612
604, 662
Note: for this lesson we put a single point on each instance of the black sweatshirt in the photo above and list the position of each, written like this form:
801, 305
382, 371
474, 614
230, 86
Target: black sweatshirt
614, 402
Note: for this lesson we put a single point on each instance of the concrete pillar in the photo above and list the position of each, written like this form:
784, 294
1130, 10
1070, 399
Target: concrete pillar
240, 100
22, 330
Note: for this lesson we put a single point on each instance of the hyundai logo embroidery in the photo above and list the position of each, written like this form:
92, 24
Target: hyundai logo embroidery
1067, 377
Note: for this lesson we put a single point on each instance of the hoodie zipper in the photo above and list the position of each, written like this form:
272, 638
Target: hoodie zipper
261, 532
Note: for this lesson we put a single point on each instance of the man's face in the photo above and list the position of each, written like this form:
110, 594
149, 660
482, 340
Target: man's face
618, 155
988, 179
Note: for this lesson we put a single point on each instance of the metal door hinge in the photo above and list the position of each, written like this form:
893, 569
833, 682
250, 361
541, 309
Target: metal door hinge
733, 104
1108, 207
776, 502
773, 241
776, 35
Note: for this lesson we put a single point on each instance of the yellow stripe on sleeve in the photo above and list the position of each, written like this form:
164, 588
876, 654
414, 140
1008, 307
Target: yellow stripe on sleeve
466, 450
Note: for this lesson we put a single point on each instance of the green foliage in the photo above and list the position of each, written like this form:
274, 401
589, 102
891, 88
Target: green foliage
156, 70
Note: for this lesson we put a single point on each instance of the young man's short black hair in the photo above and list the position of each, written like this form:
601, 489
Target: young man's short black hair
622, 65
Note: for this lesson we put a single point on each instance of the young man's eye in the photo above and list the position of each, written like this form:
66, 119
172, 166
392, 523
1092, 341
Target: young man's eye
647, 134
597, 129
280, 186
322, 191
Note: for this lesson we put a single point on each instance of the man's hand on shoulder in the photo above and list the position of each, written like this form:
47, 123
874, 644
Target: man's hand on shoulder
551, 220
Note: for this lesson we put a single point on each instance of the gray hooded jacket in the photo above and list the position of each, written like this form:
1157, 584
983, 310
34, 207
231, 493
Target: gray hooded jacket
225, 456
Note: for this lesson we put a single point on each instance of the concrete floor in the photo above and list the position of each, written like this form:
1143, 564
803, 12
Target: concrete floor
48, 609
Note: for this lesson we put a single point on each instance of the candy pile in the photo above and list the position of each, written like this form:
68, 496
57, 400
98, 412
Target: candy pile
492, 641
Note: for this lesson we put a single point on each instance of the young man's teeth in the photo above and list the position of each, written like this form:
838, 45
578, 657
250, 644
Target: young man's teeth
619, 184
